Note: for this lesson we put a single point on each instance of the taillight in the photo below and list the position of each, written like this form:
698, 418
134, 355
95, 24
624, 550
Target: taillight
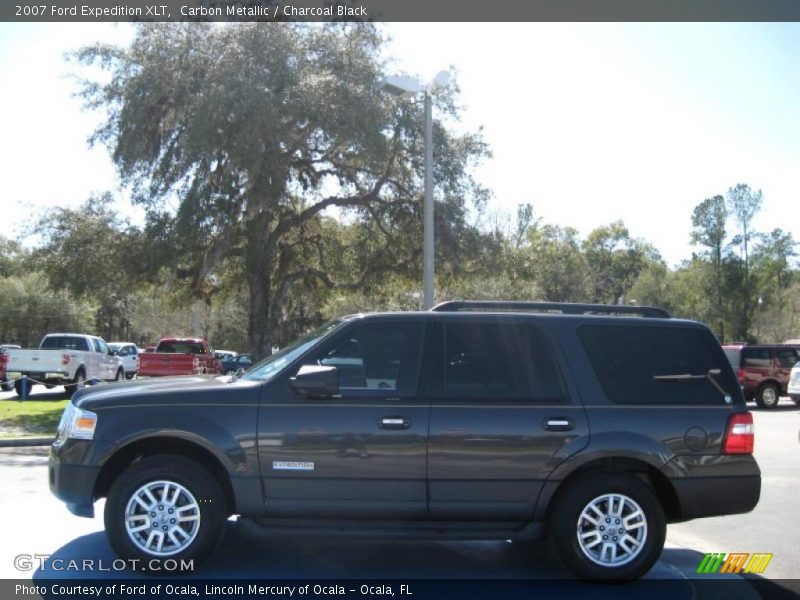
739, 435
741, 375
65, 358
3, 358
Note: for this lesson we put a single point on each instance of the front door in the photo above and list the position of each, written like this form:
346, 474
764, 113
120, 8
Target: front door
502, 421
362, 453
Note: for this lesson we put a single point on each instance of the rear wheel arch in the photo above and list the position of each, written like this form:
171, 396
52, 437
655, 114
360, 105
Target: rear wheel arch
137, 450
647, 473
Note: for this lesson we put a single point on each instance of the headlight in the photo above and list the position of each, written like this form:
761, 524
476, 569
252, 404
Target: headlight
76, 423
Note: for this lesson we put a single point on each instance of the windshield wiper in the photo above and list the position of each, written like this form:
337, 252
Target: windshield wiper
710, 375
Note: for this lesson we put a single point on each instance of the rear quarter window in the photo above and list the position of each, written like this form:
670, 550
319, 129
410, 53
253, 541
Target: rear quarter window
756, 358
645, 365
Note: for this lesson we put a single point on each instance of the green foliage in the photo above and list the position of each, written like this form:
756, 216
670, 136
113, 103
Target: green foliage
30, 308
260, 130
614, 261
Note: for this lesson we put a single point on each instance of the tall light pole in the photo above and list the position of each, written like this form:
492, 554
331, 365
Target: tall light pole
406, 87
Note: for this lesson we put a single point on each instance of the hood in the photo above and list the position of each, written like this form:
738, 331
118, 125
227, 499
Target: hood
161, 390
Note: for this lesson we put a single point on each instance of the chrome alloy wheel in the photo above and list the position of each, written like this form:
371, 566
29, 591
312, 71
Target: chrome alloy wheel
162, 518
612, 530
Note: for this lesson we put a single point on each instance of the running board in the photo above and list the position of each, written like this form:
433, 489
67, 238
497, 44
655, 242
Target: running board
406, 530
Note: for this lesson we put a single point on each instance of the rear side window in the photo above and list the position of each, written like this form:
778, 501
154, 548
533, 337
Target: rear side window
756, 358
655, 365
499, 361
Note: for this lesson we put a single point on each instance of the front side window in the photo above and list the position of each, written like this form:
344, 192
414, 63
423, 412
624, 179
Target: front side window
267, 369
375, 358
500, 361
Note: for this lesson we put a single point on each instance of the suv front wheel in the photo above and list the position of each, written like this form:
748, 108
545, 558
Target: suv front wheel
165, 507
608, 526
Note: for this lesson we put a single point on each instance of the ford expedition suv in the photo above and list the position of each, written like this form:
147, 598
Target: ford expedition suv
593, 425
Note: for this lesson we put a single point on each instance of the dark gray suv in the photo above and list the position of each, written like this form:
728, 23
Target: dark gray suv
593, 425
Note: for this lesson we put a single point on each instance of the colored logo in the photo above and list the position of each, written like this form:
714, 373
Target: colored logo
734, 562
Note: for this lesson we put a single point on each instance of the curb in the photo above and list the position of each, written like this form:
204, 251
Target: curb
22, 442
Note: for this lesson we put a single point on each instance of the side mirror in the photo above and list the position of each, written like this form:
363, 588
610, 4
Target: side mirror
315, 381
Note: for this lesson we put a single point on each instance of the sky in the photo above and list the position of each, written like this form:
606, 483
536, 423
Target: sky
590, 123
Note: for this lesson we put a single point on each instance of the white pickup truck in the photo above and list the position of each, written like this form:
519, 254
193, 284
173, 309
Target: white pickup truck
68, 359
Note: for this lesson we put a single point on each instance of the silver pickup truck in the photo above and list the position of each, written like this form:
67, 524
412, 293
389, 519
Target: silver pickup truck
68, 359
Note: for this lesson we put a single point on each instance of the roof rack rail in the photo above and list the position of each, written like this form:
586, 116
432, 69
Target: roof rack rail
567, 308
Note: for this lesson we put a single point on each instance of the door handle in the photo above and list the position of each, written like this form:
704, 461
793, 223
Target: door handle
394, 423
558, 424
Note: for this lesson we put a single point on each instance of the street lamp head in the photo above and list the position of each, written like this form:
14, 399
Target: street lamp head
440, 81
405, 87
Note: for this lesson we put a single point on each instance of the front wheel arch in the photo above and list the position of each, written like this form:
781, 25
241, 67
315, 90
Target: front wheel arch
143, 448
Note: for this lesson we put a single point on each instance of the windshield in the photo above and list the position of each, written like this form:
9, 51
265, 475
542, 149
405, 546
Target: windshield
270, 367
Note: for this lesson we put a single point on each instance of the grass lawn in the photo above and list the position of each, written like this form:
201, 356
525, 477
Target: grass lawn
20, 418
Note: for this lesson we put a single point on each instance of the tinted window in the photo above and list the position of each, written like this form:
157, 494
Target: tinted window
64, 342
376, 356
787, 357
180, 347
654, 365
499, 361
756, 357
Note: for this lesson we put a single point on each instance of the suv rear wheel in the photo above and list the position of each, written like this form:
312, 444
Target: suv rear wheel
165, 507
768, 395
608, 526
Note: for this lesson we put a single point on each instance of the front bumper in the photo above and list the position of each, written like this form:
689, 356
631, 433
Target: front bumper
71, 478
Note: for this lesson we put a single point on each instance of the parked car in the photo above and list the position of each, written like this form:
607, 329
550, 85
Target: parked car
68, 359
794, 383
240, 361
470, 421
5, 383
223, 355
129, 353
179, 356
763, 370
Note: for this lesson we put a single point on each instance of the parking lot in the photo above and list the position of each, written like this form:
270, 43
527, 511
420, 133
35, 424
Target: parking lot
37, 523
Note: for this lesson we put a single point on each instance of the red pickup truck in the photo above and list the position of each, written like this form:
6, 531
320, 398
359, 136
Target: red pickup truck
179, 356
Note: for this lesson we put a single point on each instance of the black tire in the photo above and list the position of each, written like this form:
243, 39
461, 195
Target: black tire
768, 395
77, 383
177, 470
7, 385
566, 521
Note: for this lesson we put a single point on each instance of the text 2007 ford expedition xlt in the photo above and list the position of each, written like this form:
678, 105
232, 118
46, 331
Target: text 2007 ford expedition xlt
593, 425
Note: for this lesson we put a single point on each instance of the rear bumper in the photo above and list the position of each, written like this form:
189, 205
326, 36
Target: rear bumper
711, 496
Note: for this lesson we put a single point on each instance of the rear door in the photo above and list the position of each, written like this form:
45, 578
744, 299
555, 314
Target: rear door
501, 419
361, 454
